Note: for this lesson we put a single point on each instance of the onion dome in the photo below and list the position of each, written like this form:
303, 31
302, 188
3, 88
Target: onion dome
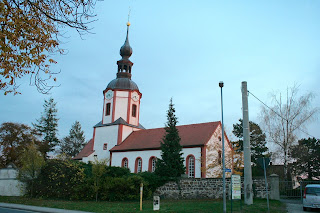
126, 50
123, 80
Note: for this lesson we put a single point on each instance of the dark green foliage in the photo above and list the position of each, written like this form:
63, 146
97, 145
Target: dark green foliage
171, 162
47, 126
87, 168
307, 157
154, 181
257, 140
123, 188
60, 179
74, 142
31, 163
14, 138
113, 171
64, 179
257, 171
98, 170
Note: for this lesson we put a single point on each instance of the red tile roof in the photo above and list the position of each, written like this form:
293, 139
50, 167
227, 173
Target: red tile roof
86, 151
191, 135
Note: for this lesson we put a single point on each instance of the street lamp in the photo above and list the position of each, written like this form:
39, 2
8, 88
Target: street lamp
223, 160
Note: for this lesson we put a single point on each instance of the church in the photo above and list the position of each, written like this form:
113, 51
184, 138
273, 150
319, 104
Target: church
124, 142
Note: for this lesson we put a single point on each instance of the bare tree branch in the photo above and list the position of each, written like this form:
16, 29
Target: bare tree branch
283, 120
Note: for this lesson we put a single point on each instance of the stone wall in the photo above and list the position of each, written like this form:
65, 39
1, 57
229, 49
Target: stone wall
191, 188
9, 185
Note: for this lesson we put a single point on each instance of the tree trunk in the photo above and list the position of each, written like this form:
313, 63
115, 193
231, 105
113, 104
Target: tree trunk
285, 166
32, 189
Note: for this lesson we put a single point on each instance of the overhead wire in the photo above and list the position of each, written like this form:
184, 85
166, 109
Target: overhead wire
279, 114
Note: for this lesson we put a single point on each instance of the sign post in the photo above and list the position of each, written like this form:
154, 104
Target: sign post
141, 193
264, 163
235, 188
156, 203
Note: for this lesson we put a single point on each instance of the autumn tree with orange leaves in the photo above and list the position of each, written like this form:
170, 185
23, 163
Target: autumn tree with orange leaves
29, 37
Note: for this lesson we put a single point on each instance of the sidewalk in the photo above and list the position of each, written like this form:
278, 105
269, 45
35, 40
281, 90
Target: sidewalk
293, 206
37, 208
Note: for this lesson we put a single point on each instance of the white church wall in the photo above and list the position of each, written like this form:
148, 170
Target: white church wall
89, 158
145, 156
108, 135
132, 156
214, 145
127, 130
121, 105
9, 185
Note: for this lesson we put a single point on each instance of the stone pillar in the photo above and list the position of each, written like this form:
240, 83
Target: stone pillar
274, 185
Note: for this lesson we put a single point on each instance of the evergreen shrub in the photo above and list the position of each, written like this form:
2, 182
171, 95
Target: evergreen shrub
114, 171
153, 180
60, 179
123, 188
71, 180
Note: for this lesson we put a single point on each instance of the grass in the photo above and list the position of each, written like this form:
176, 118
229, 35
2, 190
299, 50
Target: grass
258, 206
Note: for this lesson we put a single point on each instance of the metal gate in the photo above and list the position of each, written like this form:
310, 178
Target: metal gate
293, 189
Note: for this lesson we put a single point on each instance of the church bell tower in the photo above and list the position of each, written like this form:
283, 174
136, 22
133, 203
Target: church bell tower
122, 95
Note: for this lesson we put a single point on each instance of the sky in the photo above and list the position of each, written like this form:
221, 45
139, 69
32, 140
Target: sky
181, 50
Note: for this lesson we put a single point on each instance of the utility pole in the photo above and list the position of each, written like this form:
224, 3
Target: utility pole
248, 198
223, 157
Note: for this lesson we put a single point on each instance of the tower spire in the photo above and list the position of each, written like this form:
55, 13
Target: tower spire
124, 64
126, 50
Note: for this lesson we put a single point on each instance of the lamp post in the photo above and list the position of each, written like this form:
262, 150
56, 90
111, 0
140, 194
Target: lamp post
223, 159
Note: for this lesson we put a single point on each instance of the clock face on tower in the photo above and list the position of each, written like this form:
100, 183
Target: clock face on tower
109, 94
135, 96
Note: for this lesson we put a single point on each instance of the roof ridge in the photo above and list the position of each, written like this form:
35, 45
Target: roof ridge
192, 135
186, 125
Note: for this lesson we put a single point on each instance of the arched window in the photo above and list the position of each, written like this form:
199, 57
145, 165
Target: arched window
152, 164
138, 166
190, 166
124, 163
134, 110
108, 108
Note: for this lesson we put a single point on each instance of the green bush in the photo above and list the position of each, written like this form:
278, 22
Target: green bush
123, 188
71, 180
87, 168
113, 171
153, 181
60, 179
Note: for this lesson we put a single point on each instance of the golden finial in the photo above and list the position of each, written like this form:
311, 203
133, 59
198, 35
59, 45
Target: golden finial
128, 24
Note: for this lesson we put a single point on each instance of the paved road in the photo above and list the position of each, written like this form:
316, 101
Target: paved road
6, 210
295, 206
18, 208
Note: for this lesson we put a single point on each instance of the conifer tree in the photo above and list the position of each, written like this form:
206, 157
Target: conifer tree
306, 155
257, 140
171, 162
257, 145
47, 126
73, 143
